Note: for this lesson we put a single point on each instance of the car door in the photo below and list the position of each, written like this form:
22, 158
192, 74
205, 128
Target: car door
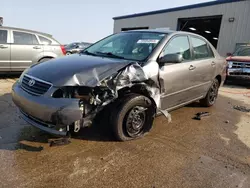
25, 50
204, 65
4, 51
175, 78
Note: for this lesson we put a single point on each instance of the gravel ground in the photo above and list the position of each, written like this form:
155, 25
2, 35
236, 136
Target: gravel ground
213, 152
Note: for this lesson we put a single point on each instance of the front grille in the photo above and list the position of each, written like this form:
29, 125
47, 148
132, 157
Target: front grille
34, 86
240, 73
238, 65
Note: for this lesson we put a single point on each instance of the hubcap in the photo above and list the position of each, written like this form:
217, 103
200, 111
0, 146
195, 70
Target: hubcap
135, 121
213, 93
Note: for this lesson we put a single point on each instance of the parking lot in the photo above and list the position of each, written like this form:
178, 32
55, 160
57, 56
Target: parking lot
212, 152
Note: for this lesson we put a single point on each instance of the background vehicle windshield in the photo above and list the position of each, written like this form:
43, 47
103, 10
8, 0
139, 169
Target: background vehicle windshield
242, 51
129, 45
72, 45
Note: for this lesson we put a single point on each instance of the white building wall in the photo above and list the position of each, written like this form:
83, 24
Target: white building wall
230, 33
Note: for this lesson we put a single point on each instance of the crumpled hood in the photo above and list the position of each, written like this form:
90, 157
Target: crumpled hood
77, 69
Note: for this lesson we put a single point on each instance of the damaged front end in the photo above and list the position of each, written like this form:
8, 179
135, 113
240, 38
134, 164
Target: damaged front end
67, 107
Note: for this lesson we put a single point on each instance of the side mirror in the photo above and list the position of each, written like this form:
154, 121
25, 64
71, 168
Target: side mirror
171, 58
76, 46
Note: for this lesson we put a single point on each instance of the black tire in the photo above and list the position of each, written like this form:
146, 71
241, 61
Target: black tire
44, 59
133, 117
212, 94
68, 53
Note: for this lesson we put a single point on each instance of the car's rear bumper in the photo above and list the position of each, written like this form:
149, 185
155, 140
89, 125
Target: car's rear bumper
52, 115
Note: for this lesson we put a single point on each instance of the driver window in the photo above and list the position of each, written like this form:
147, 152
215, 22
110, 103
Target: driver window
178, 45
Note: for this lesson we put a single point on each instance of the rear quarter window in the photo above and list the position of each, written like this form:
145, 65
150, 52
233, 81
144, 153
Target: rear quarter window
44, 40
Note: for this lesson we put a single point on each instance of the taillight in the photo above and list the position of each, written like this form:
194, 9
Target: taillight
63, 50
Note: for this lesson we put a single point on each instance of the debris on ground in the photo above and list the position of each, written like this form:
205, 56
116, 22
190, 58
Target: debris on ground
167, 115
241, 108
227, 121
201, 115
59, 141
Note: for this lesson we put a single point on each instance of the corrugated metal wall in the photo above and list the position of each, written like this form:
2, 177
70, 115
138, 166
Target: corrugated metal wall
230, 33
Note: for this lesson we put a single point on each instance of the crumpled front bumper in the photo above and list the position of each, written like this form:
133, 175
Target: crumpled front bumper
52, 115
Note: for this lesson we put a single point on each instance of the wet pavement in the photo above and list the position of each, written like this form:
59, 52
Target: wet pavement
212, 152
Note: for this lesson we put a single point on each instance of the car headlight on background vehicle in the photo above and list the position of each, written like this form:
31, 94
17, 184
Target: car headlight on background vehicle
230, 64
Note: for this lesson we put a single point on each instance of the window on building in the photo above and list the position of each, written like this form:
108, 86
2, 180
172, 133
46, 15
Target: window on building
44, 40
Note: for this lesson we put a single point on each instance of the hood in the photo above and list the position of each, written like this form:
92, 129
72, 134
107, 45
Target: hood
239, 58
77, 69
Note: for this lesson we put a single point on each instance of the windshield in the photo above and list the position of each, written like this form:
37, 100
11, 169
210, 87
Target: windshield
242, 51
128, 45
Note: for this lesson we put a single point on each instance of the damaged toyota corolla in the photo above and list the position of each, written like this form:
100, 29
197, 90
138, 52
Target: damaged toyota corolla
136, 73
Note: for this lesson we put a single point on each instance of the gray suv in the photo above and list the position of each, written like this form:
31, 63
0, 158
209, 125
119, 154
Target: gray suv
130, 75
20, 48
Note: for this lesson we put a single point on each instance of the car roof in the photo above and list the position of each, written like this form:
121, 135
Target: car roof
26, 30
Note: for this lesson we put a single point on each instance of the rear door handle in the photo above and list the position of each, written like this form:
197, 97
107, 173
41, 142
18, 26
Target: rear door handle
2, 46
192, 67
37, 47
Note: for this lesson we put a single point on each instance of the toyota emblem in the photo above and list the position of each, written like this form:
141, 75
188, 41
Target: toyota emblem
31, 82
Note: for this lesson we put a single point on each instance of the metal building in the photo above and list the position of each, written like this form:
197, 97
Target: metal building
225, 23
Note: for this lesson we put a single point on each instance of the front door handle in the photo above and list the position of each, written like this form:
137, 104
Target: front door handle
192, 67
2, 46
37, 47
213, 63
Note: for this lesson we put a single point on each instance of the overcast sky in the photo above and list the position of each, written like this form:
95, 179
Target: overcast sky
77, 20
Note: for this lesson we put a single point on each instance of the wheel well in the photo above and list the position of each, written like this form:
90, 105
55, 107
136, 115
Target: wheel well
218, 77
137, 89
46, 57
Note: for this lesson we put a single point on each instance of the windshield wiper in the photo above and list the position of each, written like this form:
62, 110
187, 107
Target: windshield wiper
110, 54
88, 53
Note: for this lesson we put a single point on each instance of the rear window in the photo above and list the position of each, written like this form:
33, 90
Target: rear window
24, 38
44, 40
3, 36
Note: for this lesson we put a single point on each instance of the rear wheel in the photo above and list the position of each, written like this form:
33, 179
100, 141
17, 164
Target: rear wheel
212, 94
133, 117
68, 53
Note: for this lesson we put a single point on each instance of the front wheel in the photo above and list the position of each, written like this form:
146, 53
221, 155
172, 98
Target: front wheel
212, 94
133, 118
